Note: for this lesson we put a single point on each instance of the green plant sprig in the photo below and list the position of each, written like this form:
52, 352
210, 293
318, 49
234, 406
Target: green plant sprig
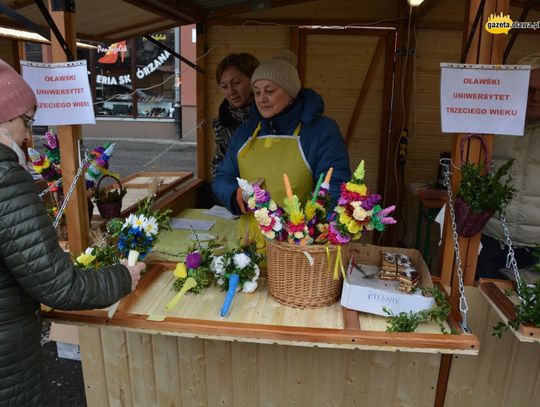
486, 191
527, 310
202, 274
409, 321
102, 195
163, 217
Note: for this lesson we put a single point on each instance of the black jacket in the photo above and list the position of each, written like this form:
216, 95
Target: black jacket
34, 269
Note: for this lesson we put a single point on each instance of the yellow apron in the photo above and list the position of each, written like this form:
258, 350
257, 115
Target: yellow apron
269, 157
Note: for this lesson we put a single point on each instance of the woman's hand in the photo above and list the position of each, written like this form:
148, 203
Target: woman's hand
135, 272
240, 200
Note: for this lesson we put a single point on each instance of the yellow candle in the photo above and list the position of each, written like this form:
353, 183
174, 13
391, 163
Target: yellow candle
328, 176
288, 188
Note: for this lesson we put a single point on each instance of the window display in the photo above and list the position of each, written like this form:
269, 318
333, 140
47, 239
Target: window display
132, 78
113, 79
155, 76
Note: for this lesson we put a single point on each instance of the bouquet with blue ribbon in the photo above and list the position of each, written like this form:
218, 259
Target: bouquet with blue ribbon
237, 270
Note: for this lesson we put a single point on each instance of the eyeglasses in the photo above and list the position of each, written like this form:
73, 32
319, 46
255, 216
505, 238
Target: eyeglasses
533, 91
28, 121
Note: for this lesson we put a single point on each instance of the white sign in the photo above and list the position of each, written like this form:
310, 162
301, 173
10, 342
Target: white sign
487, 99
62, 91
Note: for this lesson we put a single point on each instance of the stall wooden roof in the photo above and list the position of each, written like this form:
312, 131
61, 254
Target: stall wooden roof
110, 20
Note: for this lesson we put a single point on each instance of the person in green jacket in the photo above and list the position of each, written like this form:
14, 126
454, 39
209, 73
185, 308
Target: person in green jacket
33, 267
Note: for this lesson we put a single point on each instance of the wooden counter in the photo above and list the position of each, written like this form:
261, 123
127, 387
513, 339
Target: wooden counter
267, 354
141, 364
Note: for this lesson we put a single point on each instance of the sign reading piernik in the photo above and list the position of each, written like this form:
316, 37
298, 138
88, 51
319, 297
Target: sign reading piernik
486, 99
62, 91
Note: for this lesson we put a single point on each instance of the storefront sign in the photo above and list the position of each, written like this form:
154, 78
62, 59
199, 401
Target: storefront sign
141, 72
488, 99
62, 91
111, 52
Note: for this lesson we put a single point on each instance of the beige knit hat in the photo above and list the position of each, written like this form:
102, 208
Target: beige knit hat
16, 96
281, 70
533, 60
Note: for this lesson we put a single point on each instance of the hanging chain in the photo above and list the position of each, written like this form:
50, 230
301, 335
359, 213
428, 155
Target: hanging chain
50, 188
463, 306
510, 257
71, 189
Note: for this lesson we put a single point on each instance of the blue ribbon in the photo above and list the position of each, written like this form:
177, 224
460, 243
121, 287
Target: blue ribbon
233, 283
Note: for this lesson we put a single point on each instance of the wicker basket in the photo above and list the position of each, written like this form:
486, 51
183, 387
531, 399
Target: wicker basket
469, 223
110, 210
293, 281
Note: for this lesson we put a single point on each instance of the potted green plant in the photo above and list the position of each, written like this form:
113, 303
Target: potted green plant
527, 309
109, 199
481, 193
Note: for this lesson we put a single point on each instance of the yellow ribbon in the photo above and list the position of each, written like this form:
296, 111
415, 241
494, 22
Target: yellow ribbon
188, 285
328, 258
339, 264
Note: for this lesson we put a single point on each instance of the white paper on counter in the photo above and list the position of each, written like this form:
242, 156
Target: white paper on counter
220, 212
195, 224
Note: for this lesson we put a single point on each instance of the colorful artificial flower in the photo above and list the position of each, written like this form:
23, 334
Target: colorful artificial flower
265, 210
195, 273
357, 210
98, 165
296, 222
43, 166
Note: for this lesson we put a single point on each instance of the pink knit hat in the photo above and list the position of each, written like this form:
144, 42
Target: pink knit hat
16, 96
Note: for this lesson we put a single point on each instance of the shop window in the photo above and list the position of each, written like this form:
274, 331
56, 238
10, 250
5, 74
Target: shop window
155, 76
130, 78
113, 79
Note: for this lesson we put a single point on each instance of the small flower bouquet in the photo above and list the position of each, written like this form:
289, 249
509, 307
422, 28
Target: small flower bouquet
357, 211
265, 210
235, 270
139, 232
98, 165
195, 273
96, 257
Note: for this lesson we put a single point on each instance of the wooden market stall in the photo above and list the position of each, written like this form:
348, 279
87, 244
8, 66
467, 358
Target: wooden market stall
377, 66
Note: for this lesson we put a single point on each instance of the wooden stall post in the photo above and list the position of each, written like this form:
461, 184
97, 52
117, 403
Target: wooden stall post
69, 136
485, 48
204, 159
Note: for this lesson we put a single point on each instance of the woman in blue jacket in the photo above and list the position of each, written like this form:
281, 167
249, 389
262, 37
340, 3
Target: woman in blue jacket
287, 133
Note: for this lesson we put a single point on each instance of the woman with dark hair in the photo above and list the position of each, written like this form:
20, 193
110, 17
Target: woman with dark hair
233, 75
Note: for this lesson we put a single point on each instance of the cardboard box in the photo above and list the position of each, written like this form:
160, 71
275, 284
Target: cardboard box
67, 341
372, 294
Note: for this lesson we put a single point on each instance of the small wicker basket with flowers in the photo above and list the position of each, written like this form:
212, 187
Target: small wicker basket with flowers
304, 242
